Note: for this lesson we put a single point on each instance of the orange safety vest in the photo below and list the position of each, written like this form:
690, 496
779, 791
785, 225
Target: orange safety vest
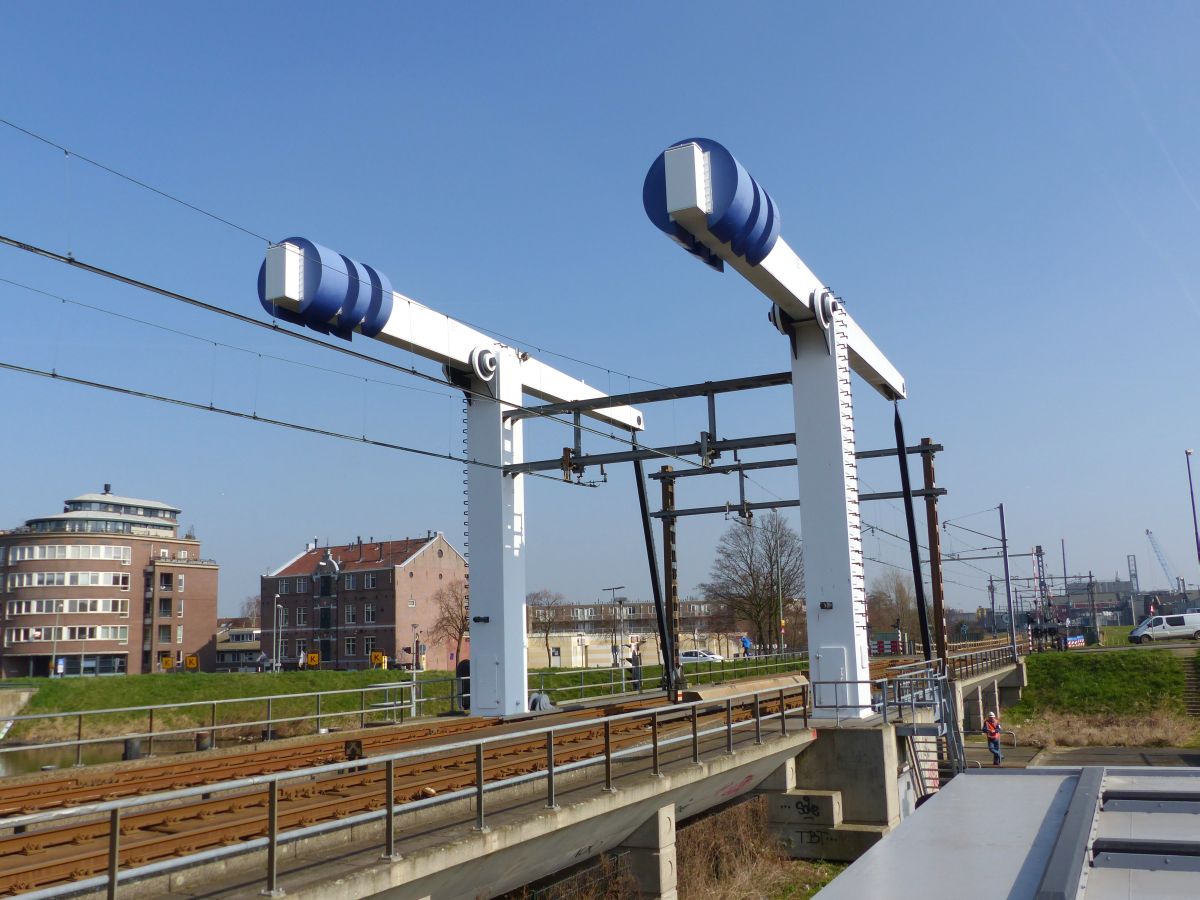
992, 729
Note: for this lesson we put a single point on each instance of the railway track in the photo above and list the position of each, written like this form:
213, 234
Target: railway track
108, 783
58, 854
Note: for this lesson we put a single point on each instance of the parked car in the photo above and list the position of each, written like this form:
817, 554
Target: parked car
1158, 628
691, 656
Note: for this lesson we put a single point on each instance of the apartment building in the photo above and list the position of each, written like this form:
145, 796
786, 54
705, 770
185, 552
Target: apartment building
70, 585
347, 601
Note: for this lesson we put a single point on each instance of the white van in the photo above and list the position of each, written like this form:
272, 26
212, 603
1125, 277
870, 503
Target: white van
1159, 628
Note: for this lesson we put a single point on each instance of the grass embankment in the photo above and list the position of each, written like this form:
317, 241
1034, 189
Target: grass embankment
1116, 635
69, 695
1132, 699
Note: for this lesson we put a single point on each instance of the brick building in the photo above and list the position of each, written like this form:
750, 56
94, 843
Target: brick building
346, 601
70, 584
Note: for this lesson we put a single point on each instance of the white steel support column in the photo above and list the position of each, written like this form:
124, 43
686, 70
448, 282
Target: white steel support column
833, 564
496, 520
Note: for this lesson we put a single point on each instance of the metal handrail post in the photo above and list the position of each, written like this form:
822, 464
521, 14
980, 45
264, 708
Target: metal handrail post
79, 740
729, 725
212, 725
270, 719
362, 709
757, 721
479, 825
695, 735
654, 742
150, 731
782, 714
550, 798
272, 889
318, 713
114, 851
608, 772
389, 844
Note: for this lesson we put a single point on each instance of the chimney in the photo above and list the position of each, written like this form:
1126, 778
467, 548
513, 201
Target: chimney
380, 545
360, 548
107, 488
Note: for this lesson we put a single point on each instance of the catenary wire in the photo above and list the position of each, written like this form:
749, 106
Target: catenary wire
254, 417
276, 328
254, 234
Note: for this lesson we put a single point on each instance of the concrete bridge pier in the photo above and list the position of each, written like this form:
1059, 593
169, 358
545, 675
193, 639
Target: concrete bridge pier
840, 796
650, 854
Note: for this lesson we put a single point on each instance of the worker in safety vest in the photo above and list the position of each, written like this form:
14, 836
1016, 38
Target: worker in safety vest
992, 729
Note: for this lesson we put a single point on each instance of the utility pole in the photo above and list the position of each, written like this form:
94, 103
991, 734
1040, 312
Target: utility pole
935, 550
779, 591
670, 579
1192, 495
992, 596
1012, 623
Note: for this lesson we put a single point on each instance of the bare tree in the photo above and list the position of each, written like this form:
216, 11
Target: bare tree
892, 599
251, 609
756, 562
453, 621
546, 611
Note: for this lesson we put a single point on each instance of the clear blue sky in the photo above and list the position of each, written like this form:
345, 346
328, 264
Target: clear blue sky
1006, 198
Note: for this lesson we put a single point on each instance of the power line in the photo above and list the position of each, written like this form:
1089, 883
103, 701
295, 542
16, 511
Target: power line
275, 328
254, 234
132, 180
221, 344
254, 417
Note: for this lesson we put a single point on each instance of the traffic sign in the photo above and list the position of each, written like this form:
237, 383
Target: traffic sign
313, 661
168, 662
191, 662
377, 657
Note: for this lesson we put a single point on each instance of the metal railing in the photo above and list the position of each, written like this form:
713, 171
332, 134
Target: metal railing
398, 698
606, 681
656, 719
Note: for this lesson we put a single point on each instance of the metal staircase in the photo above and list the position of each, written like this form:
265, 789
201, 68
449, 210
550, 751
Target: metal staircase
935, 748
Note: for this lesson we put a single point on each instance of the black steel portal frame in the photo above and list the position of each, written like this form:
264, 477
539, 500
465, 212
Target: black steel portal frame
709, 448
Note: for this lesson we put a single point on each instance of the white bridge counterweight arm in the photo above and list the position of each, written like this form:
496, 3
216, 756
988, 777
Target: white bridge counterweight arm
781, 275
415, 327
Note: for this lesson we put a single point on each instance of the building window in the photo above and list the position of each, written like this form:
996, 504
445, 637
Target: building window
368, 645
351, 614
301, 615
179, 608
164, 608
182, 554
282, 614
284, 586
412, 603
283, 648
165, 581
369, 613
301, 646
164, 634
351, 582
180, 585
369, 581
351, 646
301, 585
179, 634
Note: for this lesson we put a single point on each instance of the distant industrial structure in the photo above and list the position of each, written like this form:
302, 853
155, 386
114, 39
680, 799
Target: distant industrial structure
349, 601
68, 581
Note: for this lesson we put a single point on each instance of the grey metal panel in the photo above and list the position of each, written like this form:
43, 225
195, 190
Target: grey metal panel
1064, 870
987, 836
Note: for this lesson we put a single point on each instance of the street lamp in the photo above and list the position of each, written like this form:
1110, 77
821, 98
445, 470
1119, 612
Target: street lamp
1192, 494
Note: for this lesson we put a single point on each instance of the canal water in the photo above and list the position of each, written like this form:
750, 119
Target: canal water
34, 759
